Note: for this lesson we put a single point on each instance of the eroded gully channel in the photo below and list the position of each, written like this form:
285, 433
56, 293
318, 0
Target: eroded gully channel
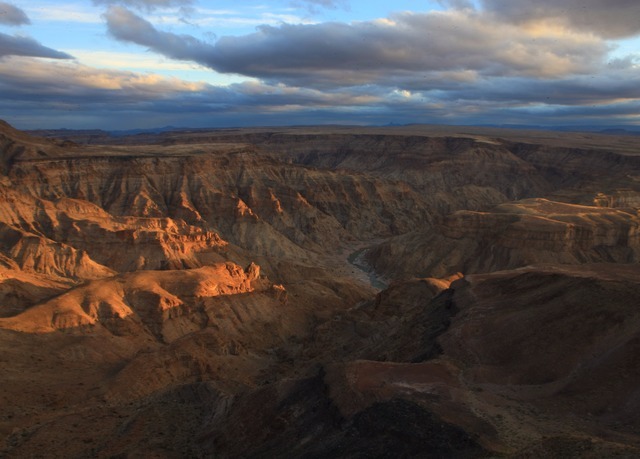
357, 260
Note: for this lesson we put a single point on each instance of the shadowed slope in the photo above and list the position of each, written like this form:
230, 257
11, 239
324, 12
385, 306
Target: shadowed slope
513, 235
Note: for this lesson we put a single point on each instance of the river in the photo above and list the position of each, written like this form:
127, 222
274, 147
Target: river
356, 259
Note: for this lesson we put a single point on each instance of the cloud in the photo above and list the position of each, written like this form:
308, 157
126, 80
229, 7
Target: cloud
406, 46
44, 92
25, 46
467, 65
218, 19
12, 15
322, 3
457, 4
68, 13
147, 5
611, 88
313, 5
128, 27
607, 18
69, 82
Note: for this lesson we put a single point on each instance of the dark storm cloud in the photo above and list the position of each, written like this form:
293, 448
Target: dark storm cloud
608, 18
25, 46
12, 15
404, 46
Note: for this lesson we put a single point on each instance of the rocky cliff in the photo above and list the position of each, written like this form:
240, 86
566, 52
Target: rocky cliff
201, 293
513, 235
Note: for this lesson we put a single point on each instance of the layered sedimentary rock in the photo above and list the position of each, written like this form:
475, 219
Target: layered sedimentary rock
164, 304
190, 294
512, 235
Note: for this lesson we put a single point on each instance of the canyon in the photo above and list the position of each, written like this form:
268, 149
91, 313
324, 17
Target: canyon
337, 291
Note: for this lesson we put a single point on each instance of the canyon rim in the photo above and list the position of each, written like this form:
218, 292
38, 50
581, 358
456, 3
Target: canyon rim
405, 291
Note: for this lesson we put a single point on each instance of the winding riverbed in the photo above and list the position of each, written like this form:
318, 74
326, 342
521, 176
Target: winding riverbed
357, 260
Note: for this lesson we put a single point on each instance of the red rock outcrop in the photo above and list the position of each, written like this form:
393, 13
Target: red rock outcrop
166, 304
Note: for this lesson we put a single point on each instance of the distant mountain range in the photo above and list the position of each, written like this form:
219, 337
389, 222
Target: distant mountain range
97, 133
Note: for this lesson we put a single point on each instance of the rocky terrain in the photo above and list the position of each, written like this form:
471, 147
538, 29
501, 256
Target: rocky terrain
411, 291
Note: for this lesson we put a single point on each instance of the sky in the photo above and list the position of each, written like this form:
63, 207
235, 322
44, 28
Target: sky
138, 64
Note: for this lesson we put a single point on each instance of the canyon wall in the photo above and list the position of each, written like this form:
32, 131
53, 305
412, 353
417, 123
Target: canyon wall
201, 293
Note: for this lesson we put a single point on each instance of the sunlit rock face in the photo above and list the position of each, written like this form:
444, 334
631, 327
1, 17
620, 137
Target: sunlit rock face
319, 292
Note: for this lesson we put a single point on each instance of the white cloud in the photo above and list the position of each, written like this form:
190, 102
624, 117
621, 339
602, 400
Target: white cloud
65, 12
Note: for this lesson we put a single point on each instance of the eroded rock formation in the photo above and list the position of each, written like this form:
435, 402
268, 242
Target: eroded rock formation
512, 235
190, 294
